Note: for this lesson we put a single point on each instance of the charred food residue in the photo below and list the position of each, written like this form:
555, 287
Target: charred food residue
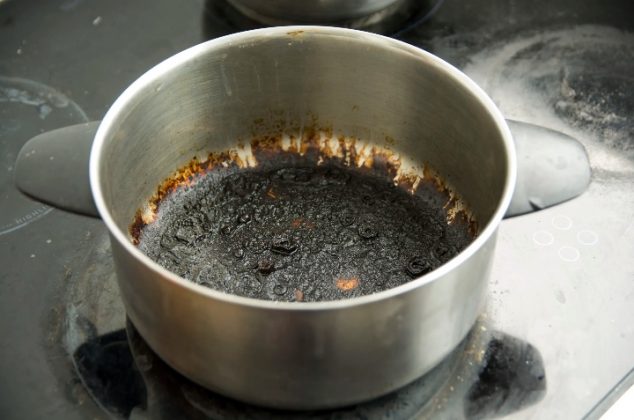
304, 223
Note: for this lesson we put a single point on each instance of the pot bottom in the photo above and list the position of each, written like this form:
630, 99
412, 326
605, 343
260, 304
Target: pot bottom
290, 230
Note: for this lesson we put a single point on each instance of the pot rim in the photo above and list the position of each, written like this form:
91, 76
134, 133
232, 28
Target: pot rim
121, 104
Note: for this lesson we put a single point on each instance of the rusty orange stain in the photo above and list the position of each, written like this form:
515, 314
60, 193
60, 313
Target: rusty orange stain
346, 284
321, 143
293, 148
183, 177
299, 295
301, 222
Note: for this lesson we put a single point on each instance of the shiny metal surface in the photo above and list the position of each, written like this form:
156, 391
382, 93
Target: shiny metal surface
49, 168
551, 168
309, 11
302, 355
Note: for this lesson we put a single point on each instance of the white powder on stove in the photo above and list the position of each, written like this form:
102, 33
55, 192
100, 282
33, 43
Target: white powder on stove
529, 78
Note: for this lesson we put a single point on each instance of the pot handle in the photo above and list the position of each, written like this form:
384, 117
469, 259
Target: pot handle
551, 168
53, 168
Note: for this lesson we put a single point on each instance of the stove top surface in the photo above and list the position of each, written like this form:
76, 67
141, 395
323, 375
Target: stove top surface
556, 336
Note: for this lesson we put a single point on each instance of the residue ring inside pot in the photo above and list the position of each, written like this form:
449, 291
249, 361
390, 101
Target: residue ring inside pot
254, 253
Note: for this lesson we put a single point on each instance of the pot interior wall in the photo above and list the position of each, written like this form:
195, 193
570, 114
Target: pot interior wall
216, 94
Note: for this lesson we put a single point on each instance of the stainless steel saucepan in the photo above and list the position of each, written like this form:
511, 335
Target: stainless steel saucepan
303, 355
310, 11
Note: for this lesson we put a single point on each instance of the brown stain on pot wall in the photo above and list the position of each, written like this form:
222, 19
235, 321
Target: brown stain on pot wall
315, 145
181, 178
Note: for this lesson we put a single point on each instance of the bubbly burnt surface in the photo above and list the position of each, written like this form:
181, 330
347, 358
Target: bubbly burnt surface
301, 232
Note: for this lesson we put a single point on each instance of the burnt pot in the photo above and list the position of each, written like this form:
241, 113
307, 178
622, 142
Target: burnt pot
302, 355
297, 355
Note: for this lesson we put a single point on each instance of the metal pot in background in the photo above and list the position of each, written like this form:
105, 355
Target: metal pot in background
394, 17
303, 355
275, 12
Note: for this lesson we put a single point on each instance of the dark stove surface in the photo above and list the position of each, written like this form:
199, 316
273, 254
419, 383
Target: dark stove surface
557, 334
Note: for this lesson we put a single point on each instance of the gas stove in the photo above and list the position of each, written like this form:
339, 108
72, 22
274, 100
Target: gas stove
555, 340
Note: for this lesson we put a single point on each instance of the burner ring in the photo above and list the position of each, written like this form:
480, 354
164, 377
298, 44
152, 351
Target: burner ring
27, 108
